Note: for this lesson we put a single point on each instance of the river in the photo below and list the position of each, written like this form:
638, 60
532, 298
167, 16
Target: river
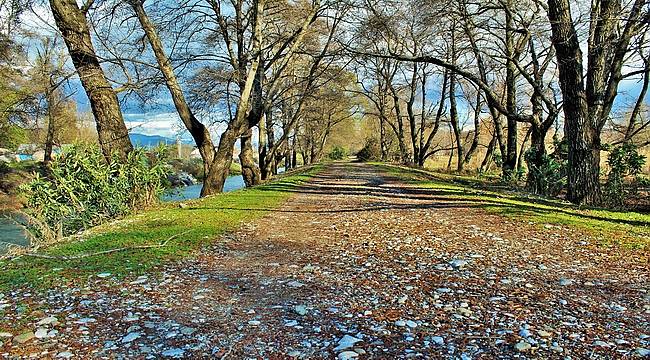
232, 183
11, 233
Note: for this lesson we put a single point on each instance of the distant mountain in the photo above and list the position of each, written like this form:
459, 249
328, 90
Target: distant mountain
150, 141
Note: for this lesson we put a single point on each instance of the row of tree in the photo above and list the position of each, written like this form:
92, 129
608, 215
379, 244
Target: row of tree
291, 71
522, 62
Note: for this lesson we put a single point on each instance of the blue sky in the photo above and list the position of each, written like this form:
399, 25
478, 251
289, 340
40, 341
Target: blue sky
159, 117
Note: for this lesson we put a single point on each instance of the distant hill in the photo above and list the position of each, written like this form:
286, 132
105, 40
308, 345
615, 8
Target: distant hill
150, 141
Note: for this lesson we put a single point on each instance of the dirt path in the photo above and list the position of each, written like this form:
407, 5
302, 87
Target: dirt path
359, 265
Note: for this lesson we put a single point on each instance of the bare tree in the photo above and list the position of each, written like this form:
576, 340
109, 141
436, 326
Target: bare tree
588, 104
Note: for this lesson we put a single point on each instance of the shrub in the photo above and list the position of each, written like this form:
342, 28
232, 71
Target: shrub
624, 162
548, 177
337, 153
371, 151
82, 189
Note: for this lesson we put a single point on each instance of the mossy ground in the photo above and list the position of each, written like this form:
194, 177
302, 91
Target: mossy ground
201, 223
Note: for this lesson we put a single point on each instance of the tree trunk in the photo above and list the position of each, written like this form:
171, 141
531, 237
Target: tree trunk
405, 158
250, 171
219, 171
485, 164
477, 131
111, 129
453, 112
510, 157
51, 125
382, 138
262, 134
535, 182
583, 185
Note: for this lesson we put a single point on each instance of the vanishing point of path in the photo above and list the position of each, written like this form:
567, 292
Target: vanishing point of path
357, 264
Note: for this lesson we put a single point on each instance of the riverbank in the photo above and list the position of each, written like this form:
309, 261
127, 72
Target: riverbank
183, 228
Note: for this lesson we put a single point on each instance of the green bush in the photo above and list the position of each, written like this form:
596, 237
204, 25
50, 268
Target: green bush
547, 178
82, 189
371, 151
337, 153
624, 162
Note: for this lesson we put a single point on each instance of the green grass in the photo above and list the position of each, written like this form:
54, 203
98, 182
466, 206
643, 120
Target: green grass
205, 219
628, 229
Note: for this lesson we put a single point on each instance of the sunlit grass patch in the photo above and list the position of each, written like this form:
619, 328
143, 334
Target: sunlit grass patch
626, 228
193, 226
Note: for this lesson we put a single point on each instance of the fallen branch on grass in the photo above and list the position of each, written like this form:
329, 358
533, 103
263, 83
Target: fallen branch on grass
104, 252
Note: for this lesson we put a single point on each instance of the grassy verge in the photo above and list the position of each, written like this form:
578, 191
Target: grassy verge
205, 219
629, 229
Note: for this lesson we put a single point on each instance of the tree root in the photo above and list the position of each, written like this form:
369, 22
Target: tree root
82, 256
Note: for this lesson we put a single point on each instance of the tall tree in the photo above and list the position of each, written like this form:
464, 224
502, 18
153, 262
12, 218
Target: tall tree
587, 104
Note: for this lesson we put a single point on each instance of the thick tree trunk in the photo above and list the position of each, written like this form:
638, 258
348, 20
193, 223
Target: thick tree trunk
250, 171
111, 129
583, 185
219, 169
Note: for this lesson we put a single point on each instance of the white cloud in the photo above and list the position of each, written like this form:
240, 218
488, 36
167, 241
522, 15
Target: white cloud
163, 124
166, 124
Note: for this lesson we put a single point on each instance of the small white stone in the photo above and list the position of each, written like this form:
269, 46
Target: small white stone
411, 324
41, 333
50, 320
175, 352
346, 342
566, 282
300, 310
347, 355
438, 340
130, 337
523, 346
642, 352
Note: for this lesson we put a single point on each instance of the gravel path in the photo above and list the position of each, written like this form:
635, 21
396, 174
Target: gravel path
358, 265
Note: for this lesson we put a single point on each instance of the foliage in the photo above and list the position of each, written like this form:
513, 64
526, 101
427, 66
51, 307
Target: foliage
11, 136
371, 151
337, 153
82, 189
548, 177
624, 162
